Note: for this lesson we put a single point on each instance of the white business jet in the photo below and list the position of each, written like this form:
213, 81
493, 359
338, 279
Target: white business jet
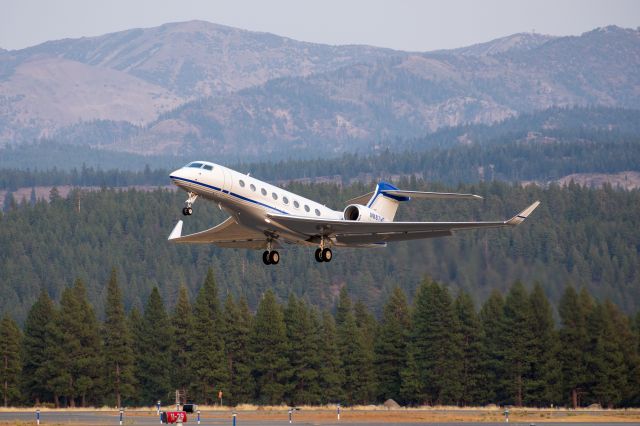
266, 217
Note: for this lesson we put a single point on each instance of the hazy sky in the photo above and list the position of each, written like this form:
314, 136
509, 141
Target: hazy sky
399, 24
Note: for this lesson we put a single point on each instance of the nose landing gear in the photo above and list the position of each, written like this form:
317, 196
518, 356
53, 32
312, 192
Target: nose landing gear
187, 210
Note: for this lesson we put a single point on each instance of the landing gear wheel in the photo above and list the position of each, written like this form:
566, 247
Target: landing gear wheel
187, 211
265, 258
274, 257
327, 255
318, 255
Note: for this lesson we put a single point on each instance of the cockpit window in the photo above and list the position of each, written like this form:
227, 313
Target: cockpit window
208, 167
195, 165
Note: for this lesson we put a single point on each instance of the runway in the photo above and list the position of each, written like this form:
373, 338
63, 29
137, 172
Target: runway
321, 417
96, 418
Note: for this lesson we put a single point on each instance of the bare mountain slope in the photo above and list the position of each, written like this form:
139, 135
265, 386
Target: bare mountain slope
406, 95
47, 93
198, 58
252, 93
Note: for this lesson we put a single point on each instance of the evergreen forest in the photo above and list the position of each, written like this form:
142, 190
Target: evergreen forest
439, 349
580, 236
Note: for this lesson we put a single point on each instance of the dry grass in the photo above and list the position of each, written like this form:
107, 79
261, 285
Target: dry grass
380, 414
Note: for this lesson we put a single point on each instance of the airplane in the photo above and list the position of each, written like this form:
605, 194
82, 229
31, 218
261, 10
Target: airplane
263, 216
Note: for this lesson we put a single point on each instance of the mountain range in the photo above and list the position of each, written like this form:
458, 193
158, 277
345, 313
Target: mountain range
197, 87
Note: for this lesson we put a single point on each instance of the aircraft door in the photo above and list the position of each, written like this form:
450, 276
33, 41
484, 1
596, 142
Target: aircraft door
228, 182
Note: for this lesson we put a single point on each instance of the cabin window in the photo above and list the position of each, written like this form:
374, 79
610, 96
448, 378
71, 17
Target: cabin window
274, 195
241, 182
296, 204
285, 200
208, 167
306, 208
253, 187
263, 191
317, 212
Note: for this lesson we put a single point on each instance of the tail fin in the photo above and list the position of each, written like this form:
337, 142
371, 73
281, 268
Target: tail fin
385, 204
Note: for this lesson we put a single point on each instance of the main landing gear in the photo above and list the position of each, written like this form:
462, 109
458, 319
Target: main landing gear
323, 254
271, 257
187, 210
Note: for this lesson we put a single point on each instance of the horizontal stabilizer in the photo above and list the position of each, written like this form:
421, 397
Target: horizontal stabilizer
397, 193
431, 195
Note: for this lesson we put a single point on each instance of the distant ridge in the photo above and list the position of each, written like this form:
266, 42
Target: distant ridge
201, 87
516, 42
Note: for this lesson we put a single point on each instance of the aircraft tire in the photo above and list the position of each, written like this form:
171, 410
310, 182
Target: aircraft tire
274, 257
318, 255
327, 255
265, 258
184, 211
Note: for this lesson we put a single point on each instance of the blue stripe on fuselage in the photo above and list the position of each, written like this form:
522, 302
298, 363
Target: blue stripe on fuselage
215, 188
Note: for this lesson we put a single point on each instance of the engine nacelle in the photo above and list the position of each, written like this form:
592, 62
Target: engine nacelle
359, 213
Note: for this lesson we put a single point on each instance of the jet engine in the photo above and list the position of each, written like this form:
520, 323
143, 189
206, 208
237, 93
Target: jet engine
359, 213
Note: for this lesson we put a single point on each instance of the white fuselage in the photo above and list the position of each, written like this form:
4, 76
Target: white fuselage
247, 199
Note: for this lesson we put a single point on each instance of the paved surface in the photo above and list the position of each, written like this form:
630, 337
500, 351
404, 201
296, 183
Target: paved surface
108, 418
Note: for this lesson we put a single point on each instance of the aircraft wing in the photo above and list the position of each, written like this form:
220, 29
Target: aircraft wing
227, 234
350, 232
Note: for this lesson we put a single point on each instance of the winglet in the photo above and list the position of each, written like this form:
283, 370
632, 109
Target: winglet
520, 217
177, 231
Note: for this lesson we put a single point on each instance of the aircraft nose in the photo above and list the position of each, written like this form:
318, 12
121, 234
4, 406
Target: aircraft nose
175, 176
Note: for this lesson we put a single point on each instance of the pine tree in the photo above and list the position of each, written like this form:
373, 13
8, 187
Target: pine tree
437, 345
237, 319
573, 310
303, 334
366, 323
517, 339
344, 306
625, 339
75, 351
355, 358
269, 347
411, 388
208, 354
391, 346
182, 321
472, 350
544, 382
136, 329
117, 344
34, 350
491, 316
11, 365
153, 361
330, 368
605, 358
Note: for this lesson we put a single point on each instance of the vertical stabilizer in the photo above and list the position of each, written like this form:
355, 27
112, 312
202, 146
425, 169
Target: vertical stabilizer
384, 204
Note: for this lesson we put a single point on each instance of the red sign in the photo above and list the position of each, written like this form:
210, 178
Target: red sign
219, 394
176, 417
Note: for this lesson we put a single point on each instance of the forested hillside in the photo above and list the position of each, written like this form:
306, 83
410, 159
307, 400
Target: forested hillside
542, 146
437, 350
588, 237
